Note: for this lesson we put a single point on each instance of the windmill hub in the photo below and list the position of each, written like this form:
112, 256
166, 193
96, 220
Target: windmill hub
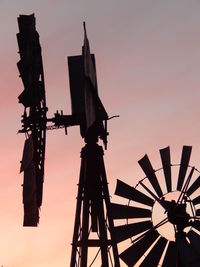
178, 214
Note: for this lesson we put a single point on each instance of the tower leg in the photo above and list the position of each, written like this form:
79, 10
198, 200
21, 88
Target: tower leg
109, 214
77, 217
103, 236
84, 233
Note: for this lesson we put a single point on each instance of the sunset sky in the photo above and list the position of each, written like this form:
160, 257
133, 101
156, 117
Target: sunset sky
148, 70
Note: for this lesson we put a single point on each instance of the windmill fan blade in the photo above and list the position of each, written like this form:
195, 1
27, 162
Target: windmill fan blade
30, 65
31, 213
196, 225
124, 212
196, 200
198, 212
194, 186
154, 256
124, 232
166, 162
148, 170
185, 158
126, 191
170, 255
27, 154
131, 255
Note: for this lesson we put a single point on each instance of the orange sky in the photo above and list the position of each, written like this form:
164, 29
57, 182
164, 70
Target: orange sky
148, 65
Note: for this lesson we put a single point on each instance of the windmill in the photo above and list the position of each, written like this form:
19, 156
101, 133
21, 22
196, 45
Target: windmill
176, 205
93, 216
162, 216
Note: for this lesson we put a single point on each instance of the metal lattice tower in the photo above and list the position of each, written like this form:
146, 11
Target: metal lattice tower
93, 213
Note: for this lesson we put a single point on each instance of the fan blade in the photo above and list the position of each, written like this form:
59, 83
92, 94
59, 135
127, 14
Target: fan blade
166, 162
185, 158
31, 212
196, 225
154, 256
126, 191
27, 154
196, 200
145, 164
194, 186
149, 191
185, 187
198, 212
195, 241
170, 255
124, 232
131, 255
186, 253
124, 212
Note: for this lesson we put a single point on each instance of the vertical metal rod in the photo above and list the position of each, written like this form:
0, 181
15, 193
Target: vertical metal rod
103, 233
84, 235
109, 213
77, 216
184, 190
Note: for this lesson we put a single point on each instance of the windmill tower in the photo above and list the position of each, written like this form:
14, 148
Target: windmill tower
93, 210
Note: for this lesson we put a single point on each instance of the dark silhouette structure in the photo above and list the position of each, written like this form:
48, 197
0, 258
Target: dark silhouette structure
94, 227
34, 118
148, 245
93, 211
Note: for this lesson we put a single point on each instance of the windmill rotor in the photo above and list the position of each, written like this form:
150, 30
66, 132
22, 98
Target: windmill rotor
162, 215
34, 118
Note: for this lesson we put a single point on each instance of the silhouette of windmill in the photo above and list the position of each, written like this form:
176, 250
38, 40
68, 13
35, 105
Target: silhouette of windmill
93, 215
94, 227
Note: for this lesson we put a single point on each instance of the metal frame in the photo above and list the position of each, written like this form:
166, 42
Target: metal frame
93, 196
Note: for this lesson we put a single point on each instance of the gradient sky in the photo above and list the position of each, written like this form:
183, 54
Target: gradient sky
148, 65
